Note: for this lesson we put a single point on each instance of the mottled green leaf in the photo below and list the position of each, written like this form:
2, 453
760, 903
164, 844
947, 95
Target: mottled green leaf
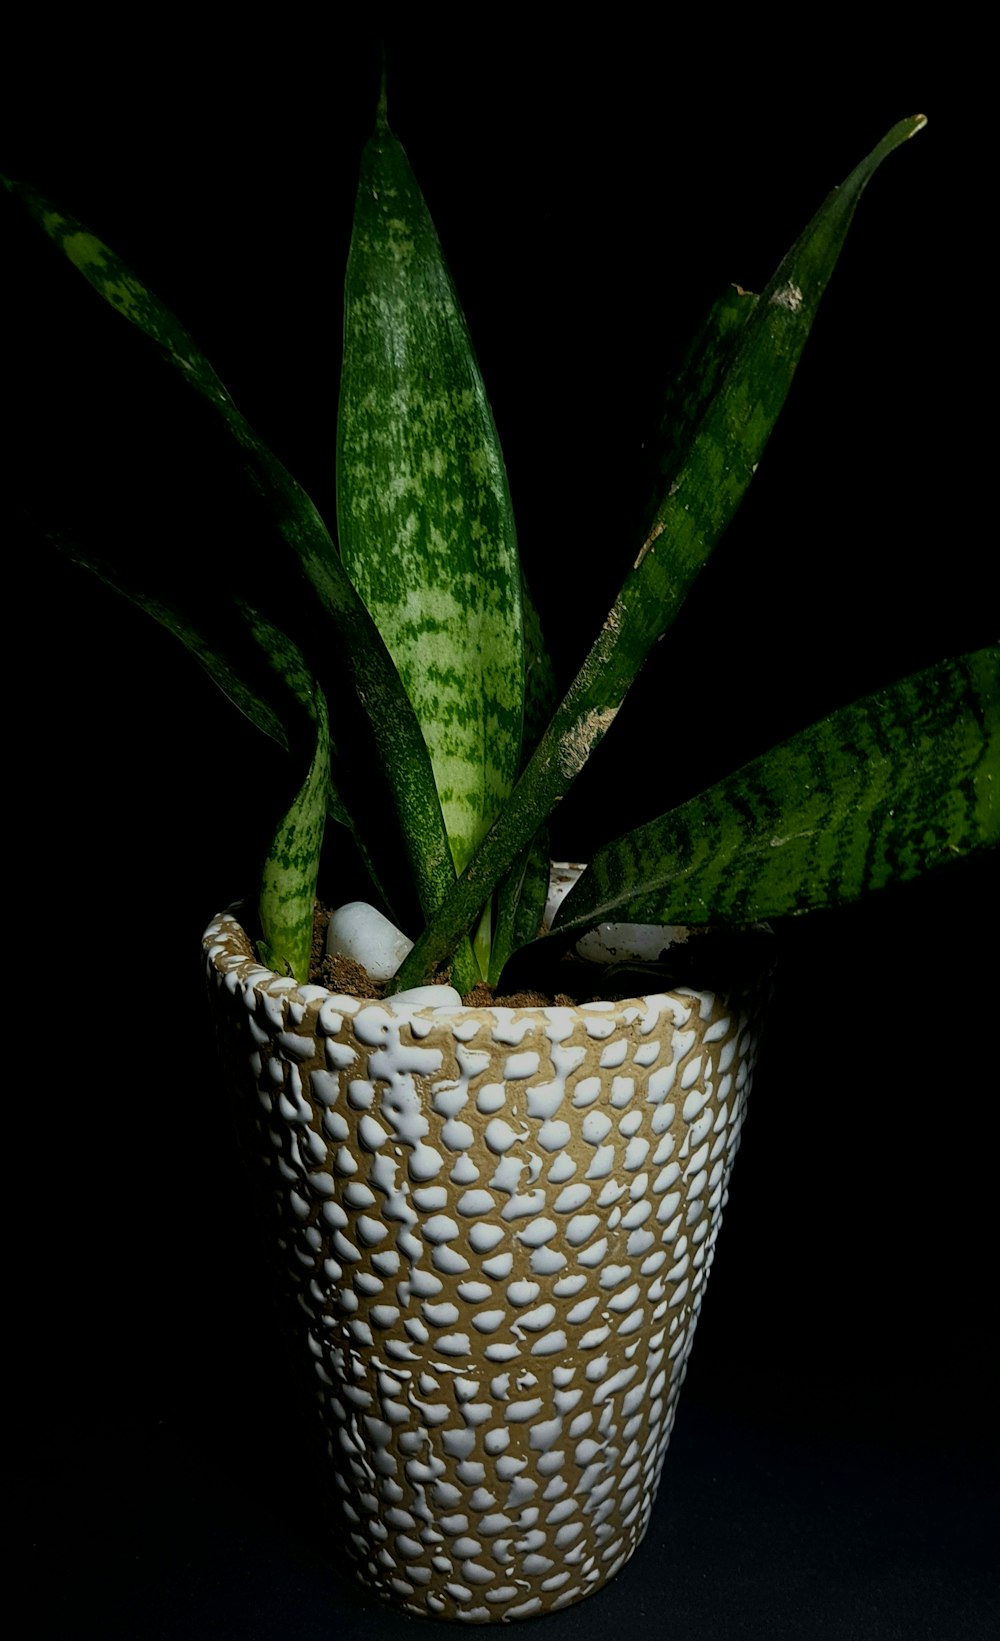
423, 510
877, 793
288, 883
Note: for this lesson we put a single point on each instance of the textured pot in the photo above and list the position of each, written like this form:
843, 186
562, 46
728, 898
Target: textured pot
499, 1224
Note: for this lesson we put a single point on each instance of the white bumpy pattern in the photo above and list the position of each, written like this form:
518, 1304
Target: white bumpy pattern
499, 1223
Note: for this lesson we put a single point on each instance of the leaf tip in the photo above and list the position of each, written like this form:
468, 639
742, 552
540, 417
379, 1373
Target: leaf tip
382, 109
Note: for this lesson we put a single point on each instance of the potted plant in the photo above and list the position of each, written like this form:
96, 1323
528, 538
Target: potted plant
656, 894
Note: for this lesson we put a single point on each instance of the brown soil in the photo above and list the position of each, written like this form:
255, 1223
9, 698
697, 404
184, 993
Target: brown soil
344, 975
704, 958
484, 997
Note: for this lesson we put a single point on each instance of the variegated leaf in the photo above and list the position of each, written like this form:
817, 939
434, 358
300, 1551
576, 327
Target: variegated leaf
423, 511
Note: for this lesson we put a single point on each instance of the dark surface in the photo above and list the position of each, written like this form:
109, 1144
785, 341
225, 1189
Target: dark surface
752, 1535
833, 1471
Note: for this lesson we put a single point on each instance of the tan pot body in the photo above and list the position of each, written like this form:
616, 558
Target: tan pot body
499, 1224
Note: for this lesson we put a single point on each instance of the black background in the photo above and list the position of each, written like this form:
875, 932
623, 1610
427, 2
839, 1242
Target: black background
833, 1468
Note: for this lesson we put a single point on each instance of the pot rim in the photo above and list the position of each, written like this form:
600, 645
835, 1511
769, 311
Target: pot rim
229, 953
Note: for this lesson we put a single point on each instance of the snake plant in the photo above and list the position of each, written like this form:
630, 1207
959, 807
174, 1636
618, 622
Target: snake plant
411, 692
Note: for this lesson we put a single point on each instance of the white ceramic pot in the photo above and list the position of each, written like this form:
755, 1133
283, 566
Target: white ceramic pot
499, 1224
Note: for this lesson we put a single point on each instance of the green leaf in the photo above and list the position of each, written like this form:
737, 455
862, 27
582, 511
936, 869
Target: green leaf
702, 370
540, 695
522, 891
423, 510
728, 439
877, 793
287, 660
210, 652
357, 649
521, 900
288, 884
283, 657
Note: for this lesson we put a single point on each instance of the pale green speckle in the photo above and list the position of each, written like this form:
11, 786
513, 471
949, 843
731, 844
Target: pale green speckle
424, 514
84, 250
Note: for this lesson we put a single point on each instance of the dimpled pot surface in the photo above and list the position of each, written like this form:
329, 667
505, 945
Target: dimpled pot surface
499, 1223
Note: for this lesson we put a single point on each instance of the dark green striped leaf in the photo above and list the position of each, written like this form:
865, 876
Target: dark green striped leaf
212, 653
356, 647
540, 694
702, 371
878, 793
423, 511
521, 900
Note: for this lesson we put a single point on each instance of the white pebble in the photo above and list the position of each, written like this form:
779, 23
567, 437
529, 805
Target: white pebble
361, 933
425, 997
616, 942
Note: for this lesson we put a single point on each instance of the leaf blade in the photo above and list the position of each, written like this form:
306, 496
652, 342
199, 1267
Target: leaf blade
211, 652
729, 436
288, 882
425, 521
702, 370
359, 650
877, 793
